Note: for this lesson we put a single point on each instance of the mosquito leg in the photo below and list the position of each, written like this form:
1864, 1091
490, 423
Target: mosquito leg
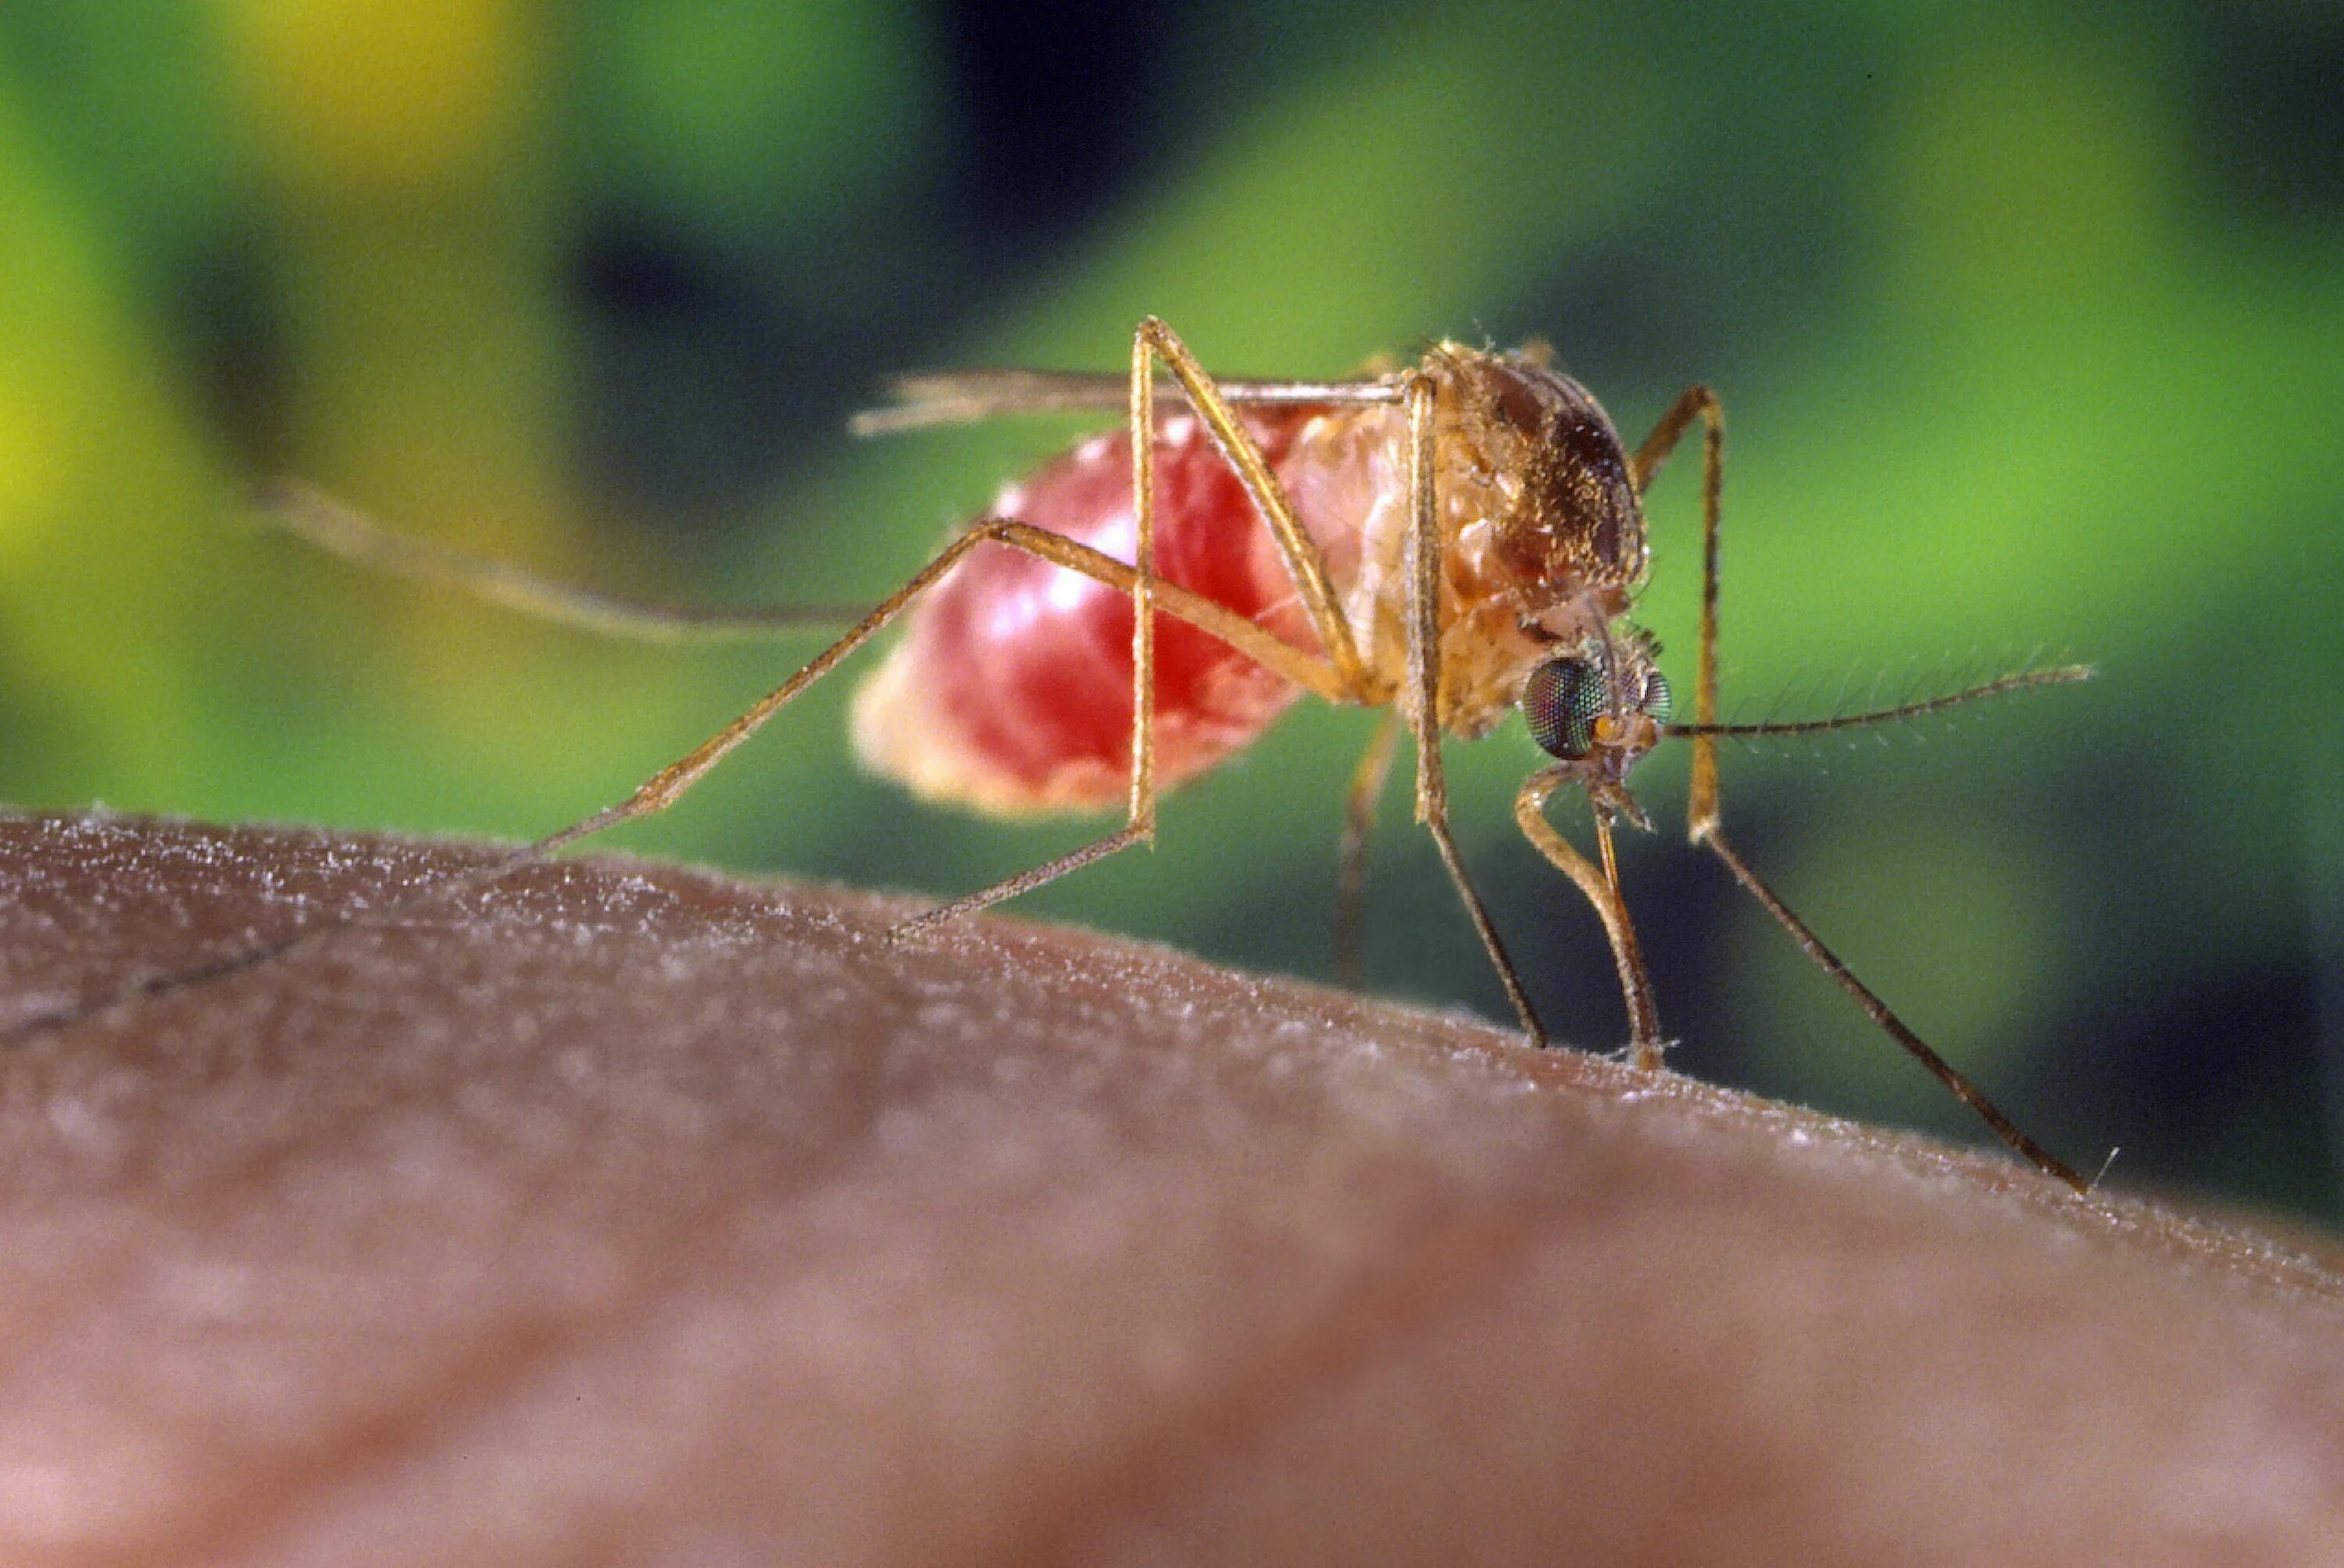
1701, 808
1628, 956
1351, 873
1154, 340
1421, 701
1150, 342
1140, 827
319, 520
668, 785
1696, 403
2042, 1158
1601, 887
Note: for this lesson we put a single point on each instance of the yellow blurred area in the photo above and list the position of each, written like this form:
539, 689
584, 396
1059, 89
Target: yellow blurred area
33, 465
382, 96
425, 356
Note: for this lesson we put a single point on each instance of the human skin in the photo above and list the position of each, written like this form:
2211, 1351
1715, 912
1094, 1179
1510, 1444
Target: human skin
622, 1212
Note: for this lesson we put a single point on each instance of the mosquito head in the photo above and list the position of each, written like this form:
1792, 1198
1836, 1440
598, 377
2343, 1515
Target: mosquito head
1598, 707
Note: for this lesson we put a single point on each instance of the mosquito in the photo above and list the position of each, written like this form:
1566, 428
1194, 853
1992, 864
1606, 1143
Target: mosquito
1449, 542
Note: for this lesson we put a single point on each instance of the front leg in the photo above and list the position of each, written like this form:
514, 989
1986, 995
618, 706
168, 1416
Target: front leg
1423, 700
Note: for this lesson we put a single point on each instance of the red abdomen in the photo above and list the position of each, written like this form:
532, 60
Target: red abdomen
1011, 688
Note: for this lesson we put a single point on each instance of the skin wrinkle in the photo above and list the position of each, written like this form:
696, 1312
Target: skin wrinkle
1448, 1267
453, 1390
490, 1380
1869, 1242
457, 1391
1053, 1521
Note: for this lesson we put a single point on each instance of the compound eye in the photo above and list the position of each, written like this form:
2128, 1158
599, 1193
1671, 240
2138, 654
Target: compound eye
1561, 700
1658, 704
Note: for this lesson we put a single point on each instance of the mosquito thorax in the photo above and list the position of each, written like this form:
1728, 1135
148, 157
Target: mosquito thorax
1572, 524
1543, 530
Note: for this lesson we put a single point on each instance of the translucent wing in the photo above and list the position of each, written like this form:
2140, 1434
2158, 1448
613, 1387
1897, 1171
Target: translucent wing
964, 397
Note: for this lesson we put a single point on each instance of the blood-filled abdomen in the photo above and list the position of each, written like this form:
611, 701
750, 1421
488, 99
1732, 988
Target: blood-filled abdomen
1011, 688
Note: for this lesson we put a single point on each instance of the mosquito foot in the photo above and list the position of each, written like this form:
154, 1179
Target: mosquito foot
1647, 1054
913, 932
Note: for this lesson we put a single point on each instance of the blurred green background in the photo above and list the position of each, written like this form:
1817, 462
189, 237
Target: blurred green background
2029, 326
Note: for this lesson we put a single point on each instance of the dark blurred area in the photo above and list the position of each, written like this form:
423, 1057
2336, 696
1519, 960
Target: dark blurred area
2029, 328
